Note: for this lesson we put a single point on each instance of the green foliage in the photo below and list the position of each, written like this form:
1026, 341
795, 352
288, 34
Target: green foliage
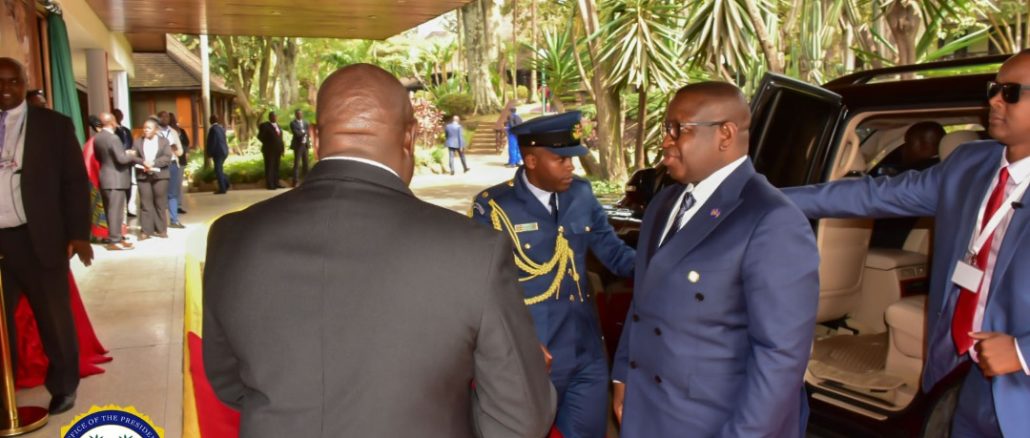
557, 63
241, 169
607, 192
522, 92
459, 104
642, 43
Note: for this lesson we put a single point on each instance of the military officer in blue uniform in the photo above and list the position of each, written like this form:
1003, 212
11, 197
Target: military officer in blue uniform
553, 218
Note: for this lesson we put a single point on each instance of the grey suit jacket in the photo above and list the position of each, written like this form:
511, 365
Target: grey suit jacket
334, 310
115, 164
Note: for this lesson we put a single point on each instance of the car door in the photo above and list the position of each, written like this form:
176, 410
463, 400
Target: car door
794, 126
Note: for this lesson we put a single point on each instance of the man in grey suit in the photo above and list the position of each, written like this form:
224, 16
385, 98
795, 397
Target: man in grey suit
455, 142
115, 179
342, 324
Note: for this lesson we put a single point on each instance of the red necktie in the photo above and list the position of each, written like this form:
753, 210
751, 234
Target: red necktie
965, 309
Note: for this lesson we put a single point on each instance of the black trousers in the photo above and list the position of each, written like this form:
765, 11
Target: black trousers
272, 169
300, 155
223, 181
46, 289
153, 196
114, 206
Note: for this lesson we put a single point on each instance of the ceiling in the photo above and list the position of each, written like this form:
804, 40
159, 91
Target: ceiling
361, 19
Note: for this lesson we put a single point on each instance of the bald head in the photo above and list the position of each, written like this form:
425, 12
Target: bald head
12, 83
708, 126
1009, 122
107, 120
365, 112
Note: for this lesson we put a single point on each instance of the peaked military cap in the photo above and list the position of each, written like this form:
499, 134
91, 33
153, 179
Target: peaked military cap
560, 133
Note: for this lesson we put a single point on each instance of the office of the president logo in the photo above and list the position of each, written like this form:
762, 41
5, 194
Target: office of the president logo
111, 421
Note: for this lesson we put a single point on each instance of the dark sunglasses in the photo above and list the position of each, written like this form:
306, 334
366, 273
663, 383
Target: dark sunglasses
1010, 92
674, 128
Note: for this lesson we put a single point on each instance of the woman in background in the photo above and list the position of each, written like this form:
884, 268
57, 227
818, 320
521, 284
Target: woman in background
153, 180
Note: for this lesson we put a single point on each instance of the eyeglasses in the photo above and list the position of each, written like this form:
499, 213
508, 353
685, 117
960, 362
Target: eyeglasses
1010, 92
675, 128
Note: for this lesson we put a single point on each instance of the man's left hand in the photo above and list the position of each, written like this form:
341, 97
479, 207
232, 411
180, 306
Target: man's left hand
83, 249
997, 353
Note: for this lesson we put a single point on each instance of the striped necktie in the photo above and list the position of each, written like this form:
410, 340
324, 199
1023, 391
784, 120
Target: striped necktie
688, 201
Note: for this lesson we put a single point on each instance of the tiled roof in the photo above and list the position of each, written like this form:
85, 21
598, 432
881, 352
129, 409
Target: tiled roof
175, 69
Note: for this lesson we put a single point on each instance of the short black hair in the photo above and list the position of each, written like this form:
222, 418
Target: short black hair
37, 92
213, 119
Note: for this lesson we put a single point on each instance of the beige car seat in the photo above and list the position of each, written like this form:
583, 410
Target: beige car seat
843, 244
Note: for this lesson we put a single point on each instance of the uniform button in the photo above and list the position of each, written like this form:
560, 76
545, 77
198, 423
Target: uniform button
632, 364
699, 296
657, 331
636, 317
657, 379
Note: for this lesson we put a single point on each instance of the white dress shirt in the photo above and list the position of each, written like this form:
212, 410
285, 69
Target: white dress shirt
12, 210
1018, 172
701, 192
150, 148
540, 194
366, 161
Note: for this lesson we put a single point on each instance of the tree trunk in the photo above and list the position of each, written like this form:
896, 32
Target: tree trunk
480, 51
514, 50
904, 19
641, 127
609, 107
772, 56
286, 65
533, 97
264, 69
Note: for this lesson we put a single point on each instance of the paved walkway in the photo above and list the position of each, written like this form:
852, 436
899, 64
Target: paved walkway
135, 301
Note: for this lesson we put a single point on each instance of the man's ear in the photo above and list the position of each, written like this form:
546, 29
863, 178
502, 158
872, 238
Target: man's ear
727, 135
409, 140
528, 159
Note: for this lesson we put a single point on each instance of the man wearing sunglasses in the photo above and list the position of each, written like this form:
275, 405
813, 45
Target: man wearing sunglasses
718, 335
980, 290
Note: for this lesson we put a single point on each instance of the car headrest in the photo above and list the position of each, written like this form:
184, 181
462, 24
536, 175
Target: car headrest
952, 141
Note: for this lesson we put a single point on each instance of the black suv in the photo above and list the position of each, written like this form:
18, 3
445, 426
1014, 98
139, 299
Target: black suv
864, 373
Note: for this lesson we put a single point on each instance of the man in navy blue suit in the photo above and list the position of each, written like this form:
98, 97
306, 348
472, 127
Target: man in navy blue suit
553, 219
980, 289
455, 142
218, 149
719, 332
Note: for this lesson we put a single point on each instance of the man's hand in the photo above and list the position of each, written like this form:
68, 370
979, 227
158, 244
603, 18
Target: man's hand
547, 357
997, 353
83, 249
130, 152
618, 395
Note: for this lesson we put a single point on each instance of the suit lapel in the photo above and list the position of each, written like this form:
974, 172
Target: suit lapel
713, 212
657, 217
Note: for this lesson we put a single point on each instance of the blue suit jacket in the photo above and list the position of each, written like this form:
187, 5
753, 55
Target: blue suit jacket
454, 136
719, 333
217, 146
952, 192
567, 325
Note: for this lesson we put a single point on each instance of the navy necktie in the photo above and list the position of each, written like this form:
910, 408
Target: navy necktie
554, 207
688, 201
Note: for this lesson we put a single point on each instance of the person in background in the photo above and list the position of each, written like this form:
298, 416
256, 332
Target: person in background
184, 141
115, 175
514, 155
99, 231
125, 134
300, 144
170, 133
455, 141
218, 149
153, 176
44, 221
271, 137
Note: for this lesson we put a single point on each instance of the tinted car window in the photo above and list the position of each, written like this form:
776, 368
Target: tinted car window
792, 143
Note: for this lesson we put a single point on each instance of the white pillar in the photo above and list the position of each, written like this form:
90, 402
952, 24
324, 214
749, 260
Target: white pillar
205, 85
96, 81
121, 94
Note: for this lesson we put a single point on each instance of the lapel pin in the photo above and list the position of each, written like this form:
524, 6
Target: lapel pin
715, 213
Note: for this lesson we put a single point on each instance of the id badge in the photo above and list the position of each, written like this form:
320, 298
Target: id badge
967, 276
